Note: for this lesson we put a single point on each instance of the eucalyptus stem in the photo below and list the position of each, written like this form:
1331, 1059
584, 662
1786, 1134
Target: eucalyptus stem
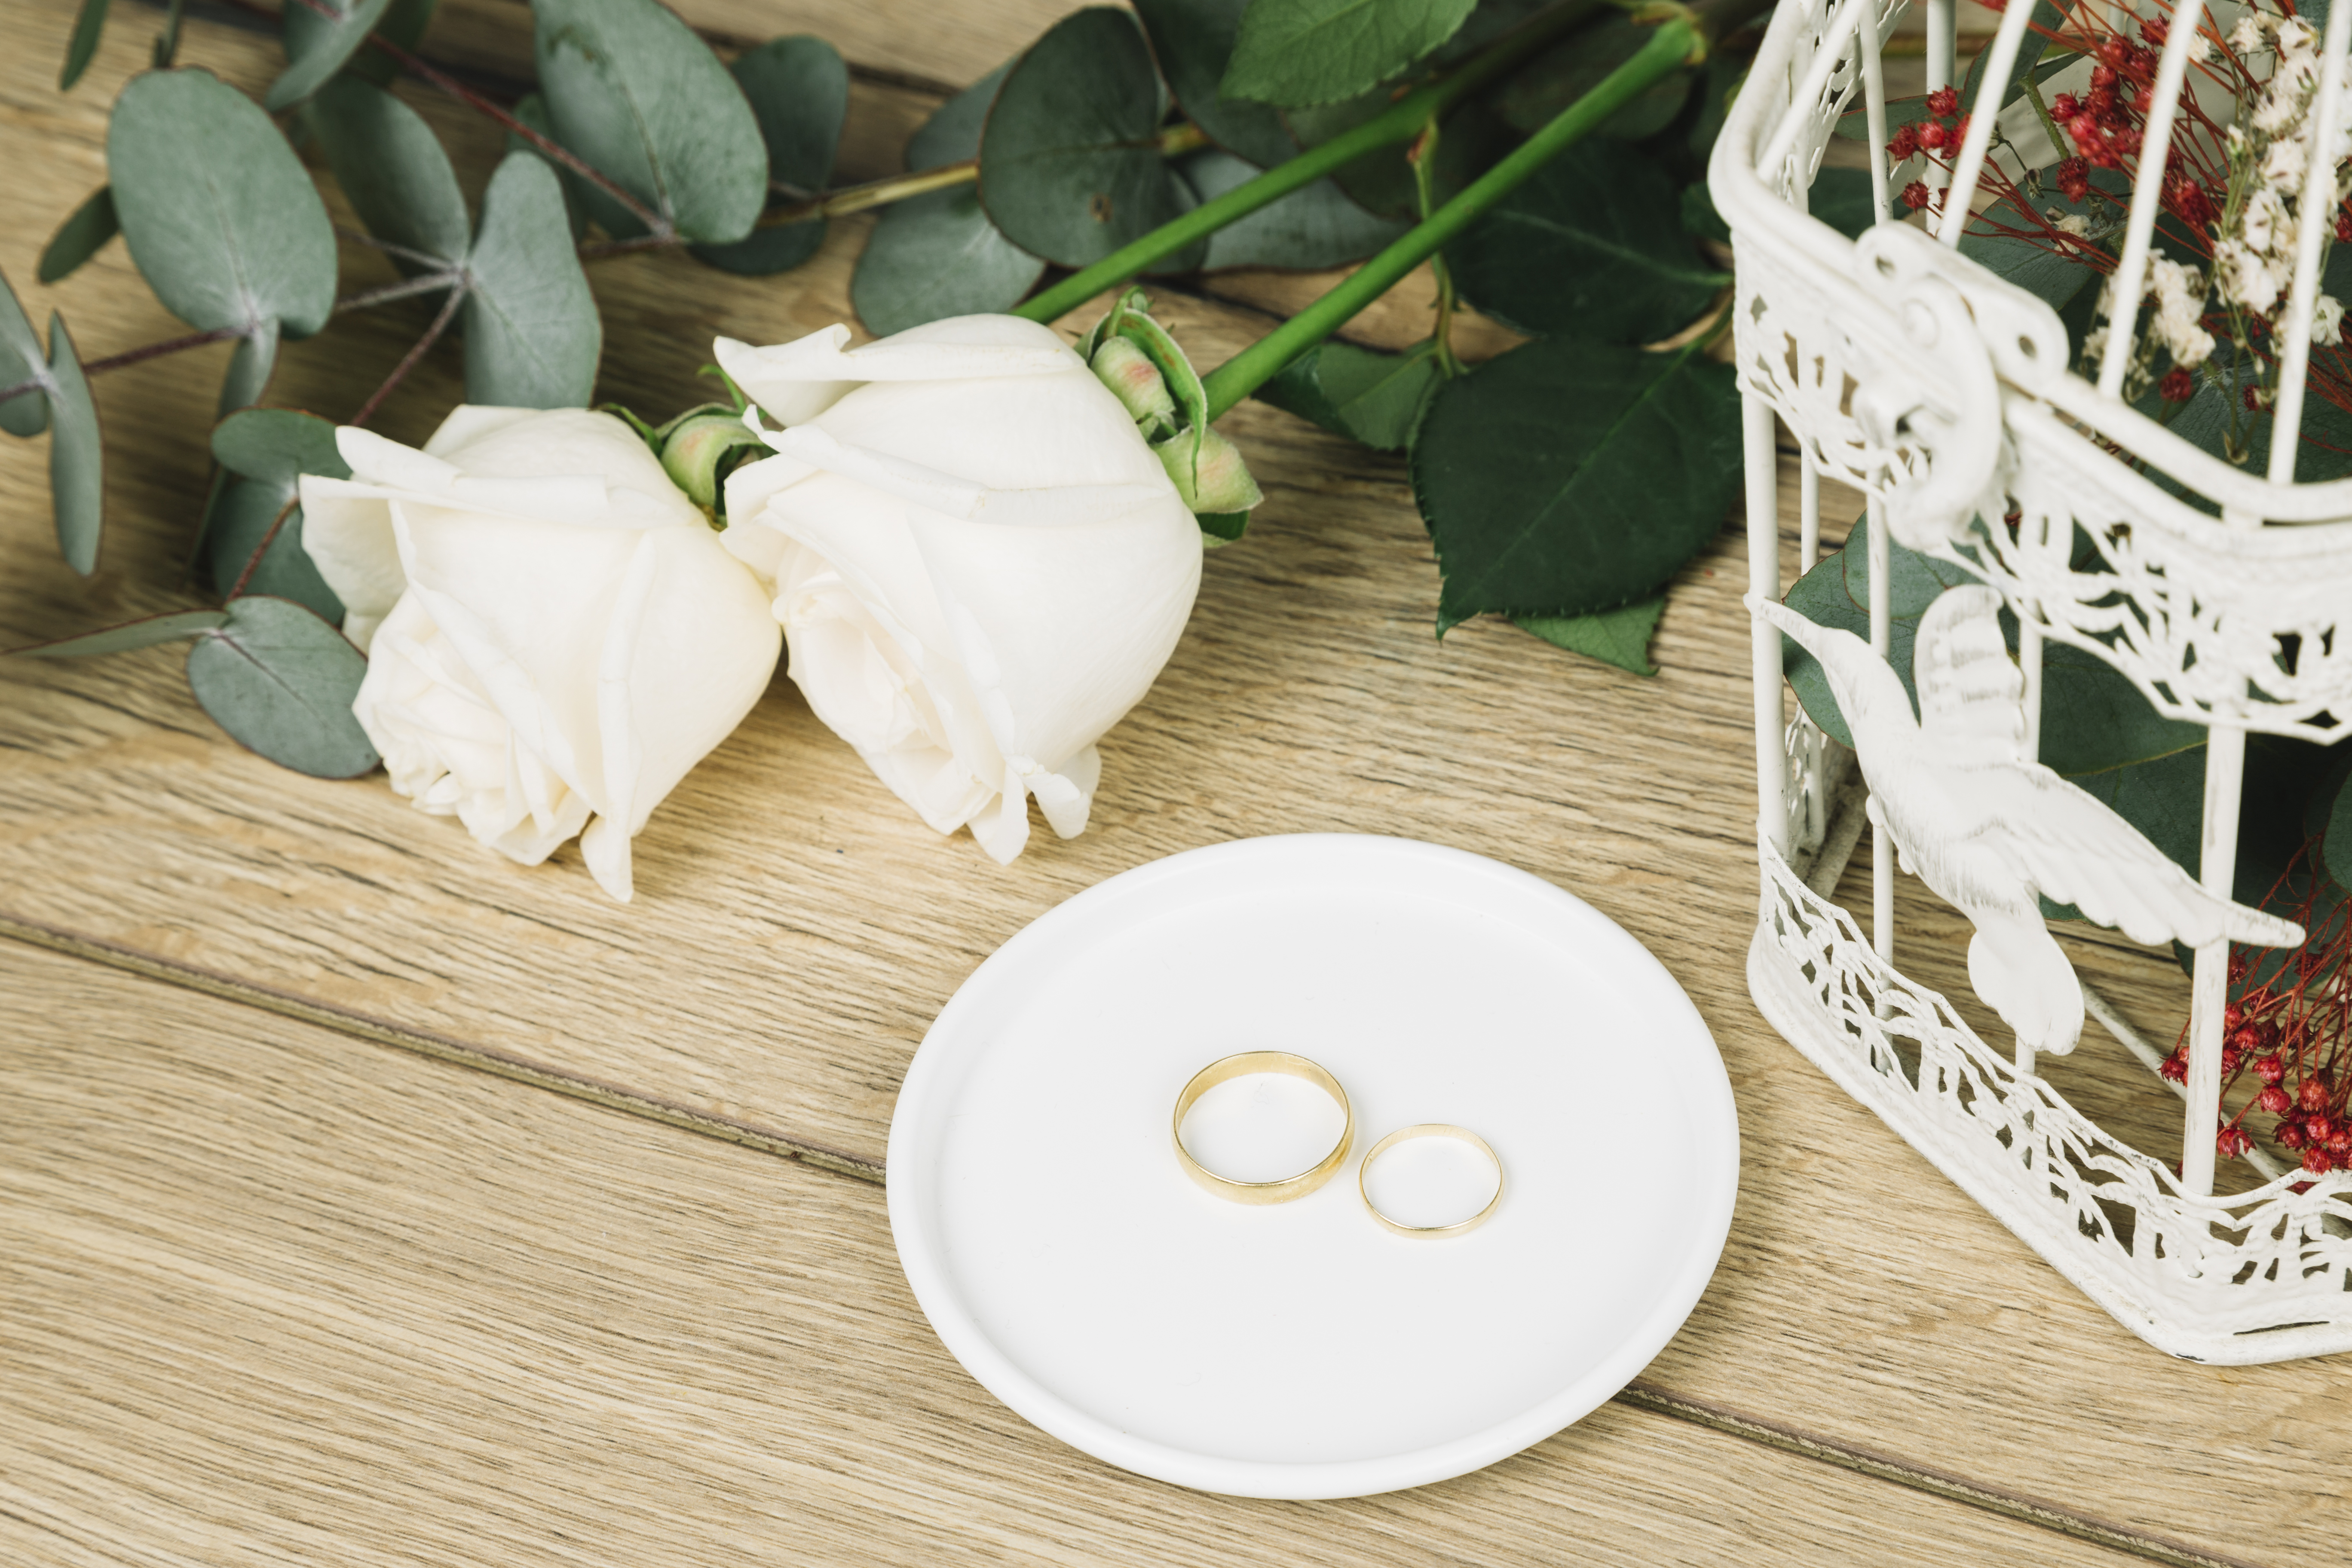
1669, 50
1400, 122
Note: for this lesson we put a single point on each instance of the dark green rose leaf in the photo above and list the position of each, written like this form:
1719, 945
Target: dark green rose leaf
1298, 52
131, 634
1843, 199
1312, 227
76, 458
249, 368
264, 453
798, 90
1566, 478
1592, 247
937, 256
636, 95
533, 334
2335, 809
1619, 637
280, 681
1193, 40
1070, 167
1536, 94
317, 46
1367, 395
393, 171
21, 361
2164, 800
218, 212
90, 25
81, 236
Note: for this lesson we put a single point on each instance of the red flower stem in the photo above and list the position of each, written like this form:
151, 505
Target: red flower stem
253, 562
408, 360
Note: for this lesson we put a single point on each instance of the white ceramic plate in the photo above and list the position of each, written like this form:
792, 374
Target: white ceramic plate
1300, 1351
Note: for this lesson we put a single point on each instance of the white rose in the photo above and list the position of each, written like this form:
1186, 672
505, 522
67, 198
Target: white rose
555, 632
979, 563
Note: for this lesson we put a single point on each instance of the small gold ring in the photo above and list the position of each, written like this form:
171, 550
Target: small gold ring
1430, 1129
1241, 1066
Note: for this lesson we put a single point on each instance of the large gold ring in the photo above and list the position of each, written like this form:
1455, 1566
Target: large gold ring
1241, 1066
1430, 1129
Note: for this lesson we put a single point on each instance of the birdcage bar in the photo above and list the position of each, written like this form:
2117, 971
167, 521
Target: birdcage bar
1757, 426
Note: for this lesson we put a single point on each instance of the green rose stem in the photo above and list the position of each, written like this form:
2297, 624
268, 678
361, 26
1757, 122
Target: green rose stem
1668, 51
1399, 122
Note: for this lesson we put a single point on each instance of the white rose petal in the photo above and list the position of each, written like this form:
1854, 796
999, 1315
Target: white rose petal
979, 563
556, 634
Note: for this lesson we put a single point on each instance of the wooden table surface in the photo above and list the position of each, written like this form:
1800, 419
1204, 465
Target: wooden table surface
369, 1199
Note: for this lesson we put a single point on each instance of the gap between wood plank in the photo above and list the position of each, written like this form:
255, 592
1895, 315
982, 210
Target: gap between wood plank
1639, 1396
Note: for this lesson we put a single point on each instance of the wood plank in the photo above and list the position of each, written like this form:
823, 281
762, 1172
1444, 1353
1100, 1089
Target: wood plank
796, 929
270, 1298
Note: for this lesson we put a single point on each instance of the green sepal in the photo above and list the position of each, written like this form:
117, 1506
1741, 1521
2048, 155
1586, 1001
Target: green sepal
699, 450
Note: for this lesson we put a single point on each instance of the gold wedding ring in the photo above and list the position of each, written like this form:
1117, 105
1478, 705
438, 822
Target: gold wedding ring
1430, 1129
1241, 1066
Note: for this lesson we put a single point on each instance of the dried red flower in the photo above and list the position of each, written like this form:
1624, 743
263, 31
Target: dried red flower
2316, 1162
2313, 1094
2232, 1141
2237, 968
1944, 102
2270, 1069
2344, 227
2153, 31
2176, 1067
2289, 1134
2065, 105
2273, 1100
2177, 385
1932, 135
1915, 195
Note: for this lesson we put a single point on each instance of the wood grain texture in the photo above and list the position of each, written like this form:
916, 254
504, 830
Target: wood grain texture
268, 1298
796, 928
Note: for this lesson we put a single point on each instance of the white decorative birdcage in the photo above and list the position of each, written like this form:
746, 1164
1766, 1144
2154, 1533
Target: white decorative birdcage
1911, 373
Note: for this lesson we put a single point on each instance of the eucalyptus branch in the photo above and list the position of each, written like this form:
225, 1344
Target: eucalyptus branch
1400, 122
360, 237
565, 157
408, 362
1669, 50
362, 301
1172, 142
269, 538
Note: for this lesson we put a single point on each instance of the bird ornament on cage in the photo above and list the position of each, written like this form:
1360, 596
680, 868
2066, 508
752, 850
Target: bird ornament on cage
1994, 832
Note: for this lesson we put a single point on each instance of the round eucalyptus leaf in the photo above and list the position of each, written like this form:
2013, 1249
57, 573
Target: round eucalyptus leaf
277, 445
281, 682
1591, 247
531, 111
392, 169
404, 23
139, 634
243, 514
264, 453
21, 361
1314, 226
77, 456
81, 236
1070, 166
1193, 40
249, 368
798, 90
937, 256
1295, 52
1567, 479
636, 95
218, 212
533, 334
317, 46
